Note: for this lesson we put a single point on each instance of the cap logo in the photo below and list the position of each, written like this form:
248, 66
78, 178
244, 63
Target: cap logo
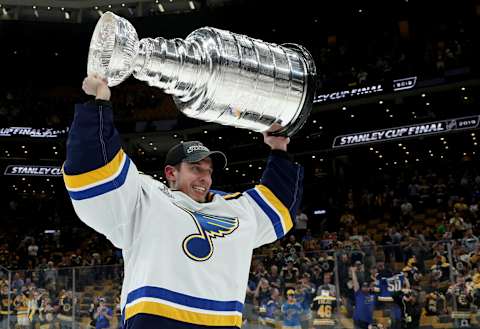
194, 148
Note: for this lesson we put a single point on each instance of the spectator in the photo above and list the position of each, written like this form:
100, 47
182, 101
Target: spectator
364, 302
290, 274
291, 311
103, 315
270, 312
470, 241
409, 307
458, 226
327, 285
301, 223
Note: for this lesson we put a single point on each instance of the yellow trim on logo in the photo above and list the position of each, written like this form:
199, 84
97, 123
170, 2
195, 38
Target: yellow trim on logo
183, 315
108, 170
278, 205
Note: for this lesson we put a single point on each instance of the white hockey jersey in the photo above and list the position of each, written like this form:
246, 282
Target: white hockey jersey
186, 263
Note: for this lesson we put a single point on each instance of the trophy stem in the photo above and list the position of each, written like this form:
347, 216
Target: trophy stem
177, 66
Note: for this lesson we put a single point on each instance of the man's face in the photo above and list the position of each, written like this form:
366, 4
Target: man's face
193, 179
326, 279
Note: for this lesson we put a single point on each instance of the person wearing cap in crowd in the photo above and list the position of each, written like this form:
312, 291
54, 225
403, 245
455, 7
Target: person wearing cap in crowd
291, 311
364, 302
187, 248
410, 309
103, 315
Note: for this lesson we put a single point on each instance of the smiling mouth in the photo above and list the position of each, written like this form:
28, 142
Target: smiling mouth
200, 189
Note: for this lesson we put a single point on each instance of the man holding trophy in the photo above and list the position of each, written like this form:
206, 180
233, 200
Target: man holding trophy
187, 250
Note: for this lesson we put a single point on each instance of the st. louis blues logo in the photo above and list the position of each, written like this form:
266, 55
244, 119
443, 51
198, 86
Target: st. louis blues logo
199, 246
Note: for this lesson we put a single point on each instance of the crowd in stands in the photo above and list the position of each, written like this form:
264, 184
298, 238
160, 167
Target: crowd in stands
396, 53
34, 107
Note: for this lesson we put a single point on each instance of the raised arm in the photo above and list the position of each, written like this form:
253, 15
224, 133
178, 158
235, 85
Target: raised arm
356, 285
277, 197
102, 181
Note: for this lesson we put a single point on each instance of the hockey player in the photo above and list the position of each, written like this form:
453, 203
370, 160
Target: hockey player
187, 250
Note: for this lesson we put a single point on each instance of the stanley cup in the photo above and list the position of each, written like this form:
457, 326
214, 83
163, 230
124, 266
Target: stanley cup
213, 75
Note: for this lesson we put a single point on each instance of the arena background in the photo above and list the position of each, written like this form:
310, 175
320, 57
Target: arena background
380, 194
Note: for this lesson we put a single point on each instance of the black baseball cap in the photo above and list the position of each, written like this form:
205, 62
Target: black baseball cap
194, 151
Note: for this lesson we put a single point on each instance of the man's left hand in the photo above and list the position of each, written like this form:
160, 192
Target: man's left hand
275, 142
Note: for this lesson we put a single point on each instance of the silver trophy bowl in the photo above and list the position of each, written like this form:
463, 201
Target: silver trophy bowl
213, 75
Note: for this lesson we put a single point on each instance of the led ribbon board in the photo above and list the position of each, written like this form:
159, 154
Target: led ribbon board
421, 129
26, 170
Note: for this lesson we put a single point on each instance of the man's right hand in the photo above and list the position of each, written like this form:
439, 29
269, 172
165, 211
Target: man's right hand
95, 86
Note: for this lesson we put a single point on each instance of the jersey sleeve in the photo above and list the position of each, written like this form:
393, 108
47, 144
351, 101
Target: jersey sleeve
101, 180
276, 199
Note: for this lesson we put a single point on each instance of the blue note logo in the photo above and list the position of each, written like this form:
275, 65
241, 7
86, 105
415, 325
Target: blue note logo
199, 246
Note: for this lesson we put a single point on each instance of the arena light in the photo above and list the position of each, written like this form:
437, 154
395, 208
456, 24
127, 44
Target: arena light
67, 15
160, 7
4, 11
192, 5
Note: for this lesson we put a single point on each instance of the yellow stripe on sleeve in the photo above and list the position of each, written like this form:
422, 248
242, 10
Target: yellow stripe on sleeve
232, 195
278, 205
170, 312
91, 177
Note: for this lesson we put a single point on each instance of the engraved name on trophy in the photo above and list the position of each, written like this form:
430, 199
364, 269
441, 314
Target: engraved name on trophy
213, 75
